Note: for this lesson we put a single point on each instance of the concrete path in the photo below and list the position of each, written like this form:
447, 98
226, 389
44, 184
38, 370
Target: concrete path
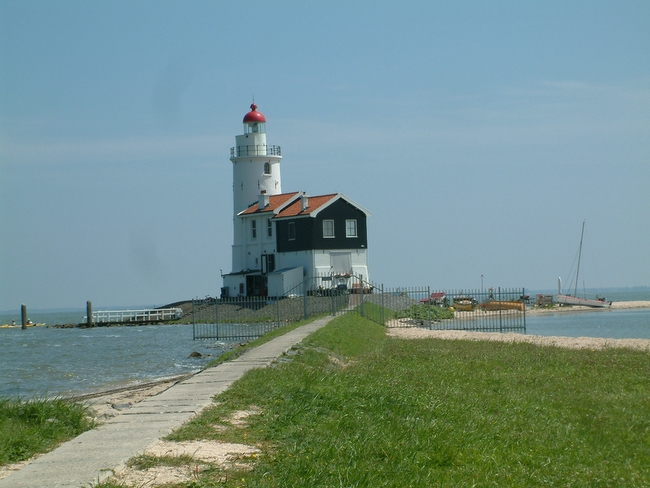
97, 454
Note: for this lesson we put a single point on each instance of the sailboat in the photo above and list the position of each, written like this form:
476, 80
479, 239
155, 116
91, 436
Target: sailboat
598, 302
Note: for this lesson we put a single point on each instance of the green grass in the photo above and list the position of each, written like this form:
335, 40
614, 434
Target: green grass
353, 408
39, 425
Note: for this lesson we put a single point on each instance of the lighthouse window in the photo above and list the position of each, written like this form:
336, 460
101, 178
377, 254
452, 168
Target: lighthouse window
253, 229
351, 228
328, 228
267, 169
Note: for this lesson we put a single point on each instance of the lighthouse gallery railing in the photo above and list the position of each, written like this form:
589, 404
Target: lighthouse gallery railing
255, 150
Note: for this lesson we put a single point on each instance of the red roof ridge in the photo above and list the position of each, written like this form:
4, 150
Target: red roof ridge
275, 202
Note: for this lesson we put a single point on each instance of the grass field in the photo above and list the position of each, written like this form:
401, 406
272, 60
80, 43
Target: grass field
354, 408
35, 426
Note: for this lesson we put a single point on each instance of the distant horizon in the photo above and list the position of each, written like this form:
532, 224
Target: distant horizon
548, 291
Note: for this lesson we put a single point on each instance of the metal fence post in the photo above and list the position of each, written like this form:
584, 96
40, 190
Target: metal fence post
193, 323
500, 310
304, 291
429, 305
523, 294
361, 291
216, 316
383, 316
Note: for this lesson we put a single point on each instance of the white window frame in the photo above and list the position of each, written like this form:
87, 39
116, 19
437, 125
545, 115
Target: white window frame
351, 228
253, 229
328, 229
269, 228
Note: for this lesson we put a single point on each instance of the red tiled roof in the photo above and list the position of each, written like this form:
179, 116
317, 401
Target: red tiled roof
314, 203
275, 201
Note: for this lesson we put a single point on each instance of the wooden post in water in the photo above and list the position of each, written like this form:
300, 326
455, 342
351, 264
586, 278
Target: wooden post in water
89, 313
23, 315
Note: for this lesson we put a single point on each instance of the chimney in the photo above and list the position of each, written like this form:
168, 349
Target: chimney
304, 202
263, 200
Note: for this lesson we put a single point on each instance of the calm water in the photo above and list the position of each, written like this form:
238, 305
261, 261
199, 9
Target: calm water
615, 324
47, 361
609, 323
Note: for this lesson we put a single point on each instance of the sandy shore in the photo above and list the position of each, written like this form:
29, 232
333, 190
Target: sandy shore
615, 306
557, 341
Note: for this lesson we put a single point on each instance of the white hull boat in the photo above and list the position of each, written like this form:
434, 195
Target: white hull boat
598, 302
585, 302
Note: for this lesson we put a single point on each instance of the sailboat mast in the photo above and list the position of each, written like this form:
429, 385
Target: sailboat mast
575, 291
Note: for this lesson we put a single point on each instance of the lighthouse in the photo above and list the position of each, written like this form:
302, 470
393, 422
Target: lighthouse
285, 240
255, 172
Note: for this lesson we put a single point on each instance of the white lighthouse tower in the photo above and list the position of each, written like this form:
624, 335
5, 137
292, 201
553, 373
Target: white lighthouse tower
255, 171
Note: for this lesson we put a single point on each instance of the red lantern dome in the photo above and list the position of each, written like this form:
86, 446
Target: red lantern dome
254, 115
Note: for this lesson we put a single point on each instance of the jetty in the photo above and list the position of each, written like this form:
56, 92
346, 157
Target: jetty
134, 317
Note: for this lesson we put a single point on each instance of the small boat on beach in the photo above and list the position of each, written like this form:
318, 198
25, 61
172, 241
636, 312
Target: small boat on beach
598, 302
497, 305
563, 299
464, 303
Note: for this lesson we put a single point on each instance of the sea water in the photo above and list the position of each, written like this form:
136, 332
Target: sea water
42, 361
607, 323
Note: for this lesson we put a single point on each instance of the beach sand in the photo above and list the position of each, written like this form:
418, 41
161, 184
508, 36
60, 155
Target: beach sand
557, 341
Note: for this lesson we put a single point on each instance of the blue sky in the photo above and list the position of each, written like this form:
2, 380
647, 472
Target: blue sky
479, 134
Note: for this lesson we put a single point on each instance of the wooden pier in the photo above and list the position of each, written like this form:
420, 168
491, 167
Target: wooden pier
133, 317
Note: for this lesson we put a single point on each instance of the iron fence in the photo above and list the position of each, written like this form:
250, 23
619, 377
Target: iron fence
491, 310
233, 319
246, 318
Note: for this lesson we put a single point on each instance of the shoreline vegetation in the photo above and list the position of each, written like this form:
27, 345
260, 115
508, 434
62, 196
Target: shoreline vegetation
358, 404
